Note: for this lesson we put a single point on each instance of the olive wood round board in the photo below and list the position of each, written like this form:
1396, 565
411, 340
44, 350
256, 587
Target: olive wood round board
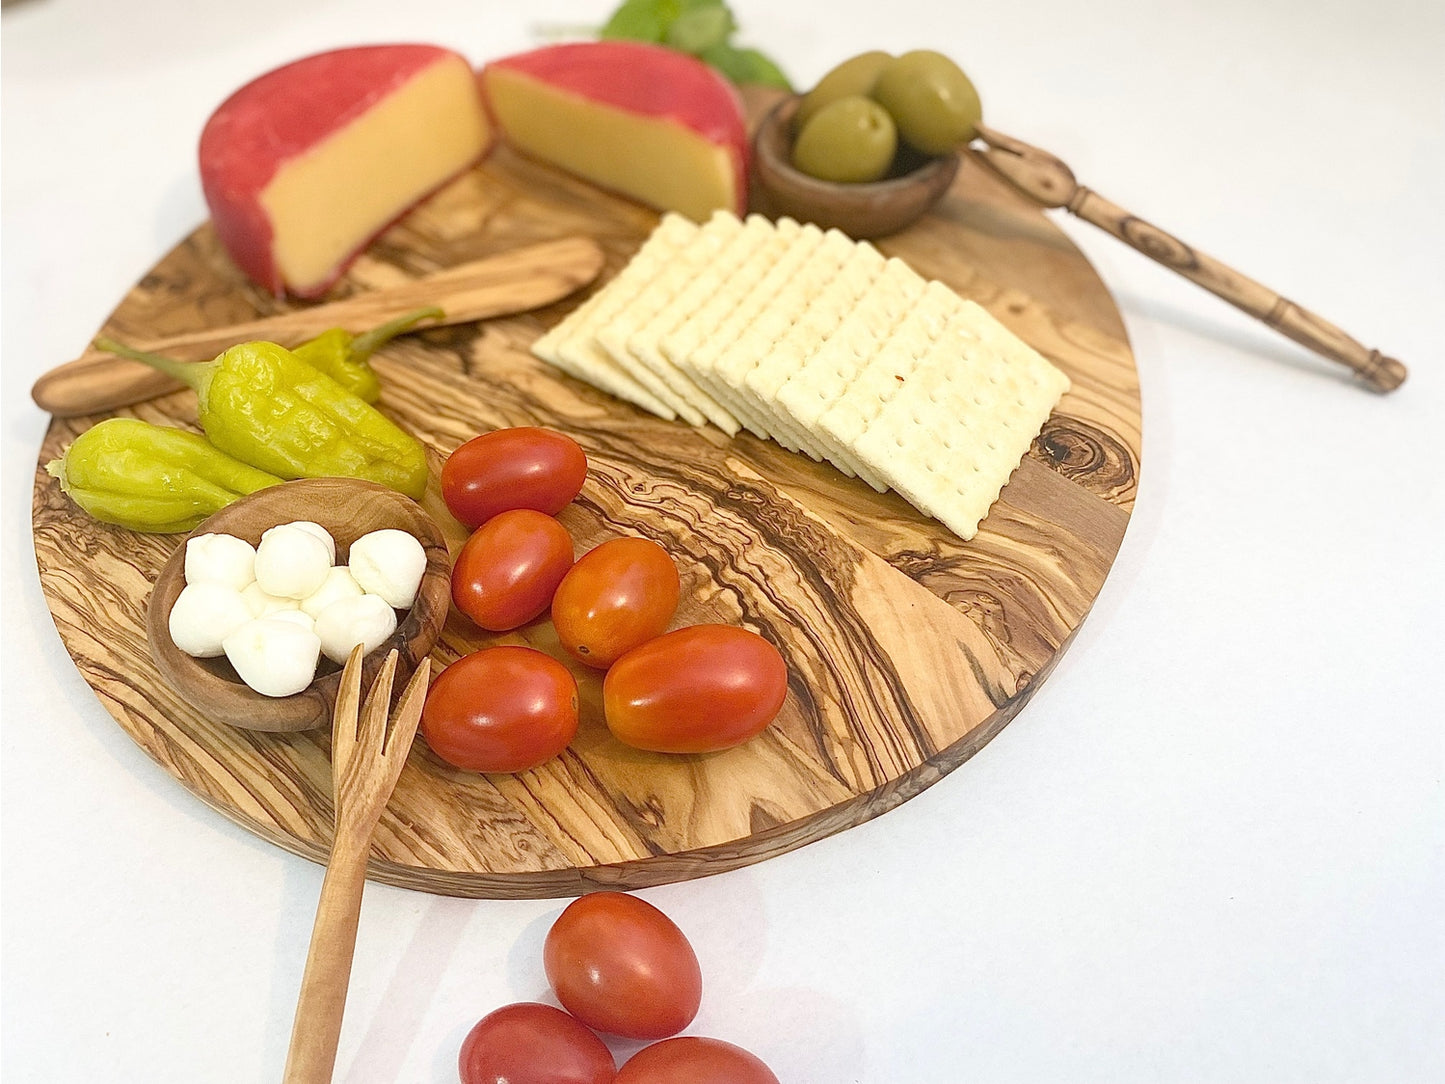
907, 648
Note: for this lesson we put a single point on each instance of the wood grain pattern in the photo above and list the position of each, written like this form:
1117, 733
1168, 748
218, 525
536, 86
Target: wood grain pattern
908, 649
511, 282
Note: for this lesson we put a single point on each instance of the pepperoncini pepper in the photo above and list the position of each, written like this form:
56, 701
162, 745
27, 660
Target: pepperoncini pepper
344, 357
150, 477
262, 404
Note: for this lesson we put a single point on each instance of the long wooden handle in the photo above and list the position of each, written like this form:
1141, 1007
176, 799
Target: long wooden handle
1046, 179
525, 278
316, 1029
1285, 316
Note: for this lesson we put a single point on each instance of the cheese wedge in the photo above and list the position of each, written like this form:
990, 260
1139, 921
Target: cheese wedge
649, 122
302, 167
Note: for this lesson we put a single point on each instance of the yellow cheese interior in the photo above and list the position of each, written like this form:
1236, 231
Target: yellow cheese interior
657, 161
327, 202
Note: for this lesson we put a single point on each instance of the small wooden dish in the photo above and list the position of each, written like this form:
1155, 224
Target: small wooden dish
859, 210
348, 508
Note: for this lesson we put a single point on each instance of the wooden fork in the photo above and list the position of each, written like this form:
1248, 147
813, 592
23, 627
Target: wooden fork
366, 759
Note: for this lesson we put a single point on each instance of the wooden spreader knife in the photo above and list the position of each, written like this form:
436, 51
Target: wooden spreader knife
515, 281
1050, 183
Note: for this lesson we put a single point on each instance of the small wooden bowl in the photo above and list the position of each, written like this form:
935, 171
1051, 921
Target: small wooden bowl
348, 508
859, 210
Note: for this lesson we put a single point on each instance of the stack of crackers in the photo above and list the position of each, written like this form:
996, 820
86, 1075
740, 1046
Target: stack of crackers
823, 344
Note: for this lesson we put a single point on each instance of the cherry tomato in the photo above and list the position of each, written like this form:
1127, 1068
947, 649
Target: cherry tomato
512, 468
692, 1059
696, 690
509, 569
619, 595
528, 1043
503, 709
619, 965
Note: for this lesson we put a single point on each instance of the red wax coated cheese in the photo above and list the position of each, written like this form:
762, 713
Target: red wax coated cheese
305, 165
651, 123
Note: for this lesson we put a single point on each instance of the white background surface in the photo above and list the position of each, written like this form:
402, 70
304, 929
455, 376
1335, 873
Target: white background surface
1213, 846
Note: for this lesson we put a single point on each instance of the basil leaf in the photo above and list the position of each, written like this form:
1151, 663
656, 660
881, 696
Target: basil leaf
746, 66
765, 71
702, 27
642, 20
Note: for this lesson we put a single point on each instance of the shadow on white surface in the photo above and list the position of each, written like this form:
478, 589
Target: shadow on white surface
1252, 340
399, 1016
524, 959
300, 891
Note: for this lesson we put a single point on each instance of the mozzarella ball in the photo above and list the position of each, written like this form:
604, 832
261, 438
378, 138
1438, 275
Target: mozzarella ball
222, 559
273, 655
264, 605
388, 563
366, 619
294, 617
339, 584
320, 532
204, 614
291, 562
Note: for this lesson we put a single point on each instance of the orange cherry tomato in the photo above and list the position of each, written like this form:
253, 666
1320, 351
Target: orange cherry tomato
523, 467
529, 1043
619, 965
693, 1059
509, 569
696, 690
503, 709
619, 595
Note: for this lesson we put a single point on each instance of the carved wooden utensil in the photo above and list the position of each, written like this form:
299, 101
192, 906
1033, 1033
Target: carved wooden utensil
366, 758
1047, 180
515, 281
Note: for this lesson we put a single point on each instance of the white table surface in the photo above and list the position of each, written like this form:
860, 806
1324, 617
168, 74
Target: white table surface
1212, 848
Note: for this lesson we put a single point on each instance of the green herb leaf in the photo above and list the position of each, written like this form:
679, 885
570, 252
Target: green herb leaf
702, 27
642, 20
746, 66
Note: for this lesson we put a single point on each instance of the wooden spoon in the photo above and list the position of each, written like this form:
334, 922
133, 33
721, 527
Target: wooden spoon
1048, 181
525, 278
365, 763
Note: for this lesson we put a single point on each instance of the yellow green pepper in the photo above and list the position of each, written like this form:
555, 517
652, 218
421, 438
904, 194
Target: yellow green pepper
150, 477
262, 404
344, 357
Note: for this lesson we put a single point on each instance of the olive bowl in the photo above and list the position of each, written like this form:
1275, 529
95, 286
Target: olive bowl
348, 508
872, 209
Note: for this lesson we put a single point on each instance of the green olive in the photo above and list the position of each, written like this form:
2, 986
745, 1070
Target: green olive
850, 140
854, 76
932, 101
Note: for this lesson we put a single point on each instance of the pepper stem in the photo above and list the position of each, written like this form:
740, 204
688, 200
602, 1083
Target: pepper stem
191, 373
367, 343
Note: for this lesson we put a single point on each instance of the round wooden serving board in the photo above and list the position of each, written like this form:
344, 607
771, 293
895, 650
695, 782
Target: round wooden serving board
908, 649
